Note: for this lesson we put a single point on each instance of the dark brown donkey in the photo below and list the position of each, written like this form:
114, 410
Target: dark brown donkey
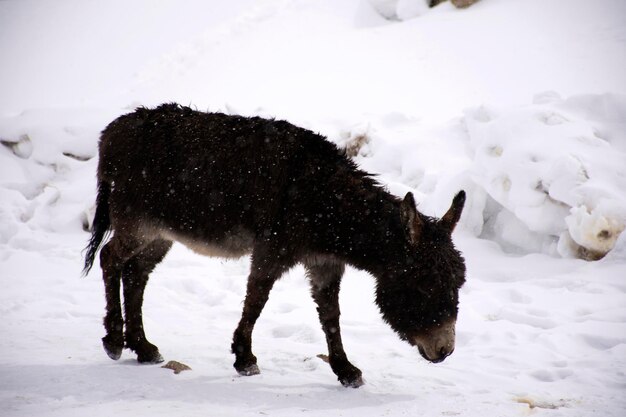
229, 186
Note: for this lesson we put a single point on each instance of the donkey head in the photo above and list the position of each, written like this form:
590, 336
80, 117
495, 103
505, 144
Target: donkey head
419, 295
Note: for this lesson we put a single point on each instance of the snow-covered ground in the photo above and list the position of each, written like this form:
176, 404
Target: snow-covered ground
520, 103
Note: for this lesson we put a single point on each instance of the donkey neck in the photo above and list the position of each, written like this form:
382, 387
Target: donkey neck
379, 239
359, 221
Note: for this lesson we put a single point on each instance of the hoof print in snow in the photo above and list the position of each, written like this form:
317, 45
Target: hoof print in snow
177, 367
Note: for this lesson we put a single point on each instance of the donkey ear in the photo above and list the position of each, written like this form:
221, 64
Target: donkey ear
451, 218
410, 218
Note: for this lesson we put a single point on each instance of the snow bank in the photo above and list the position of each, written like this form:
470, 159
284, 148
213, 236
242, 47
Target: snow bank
554, 173
47, 173
548, 177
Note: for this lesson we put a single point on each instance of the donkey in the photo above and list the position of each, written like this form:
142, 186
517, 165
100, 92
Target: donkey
229, 186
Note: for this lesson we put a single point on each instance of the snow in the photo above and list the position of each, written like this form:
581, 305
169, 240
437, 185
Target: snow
550, 167
522, 104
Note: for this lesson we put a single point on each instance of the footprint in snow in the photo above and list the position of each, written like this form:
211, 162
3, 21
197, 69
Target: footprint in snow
552, 119
545, 375
519, 297
601, 342
534, 318
286, 308
297, 332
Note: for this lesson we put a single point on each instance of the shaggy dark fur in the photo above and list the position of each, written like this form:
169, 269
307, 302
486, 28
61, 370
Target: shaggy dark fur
228, 186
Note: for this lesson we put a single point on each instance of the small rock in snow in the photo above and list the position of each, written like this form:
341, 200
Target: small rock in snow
177, 367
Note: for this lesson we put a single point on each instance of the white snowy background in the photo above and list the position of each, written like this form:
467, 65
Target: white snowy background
520, 103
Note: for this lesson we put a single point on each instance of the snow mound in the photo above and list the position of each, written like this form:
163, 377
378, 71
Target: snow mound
553, 172
42, 151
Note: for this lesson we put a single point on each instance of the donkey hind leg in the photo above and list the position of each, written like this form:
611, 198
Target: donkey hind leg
135, 275
264, 271
112, 258
325, 283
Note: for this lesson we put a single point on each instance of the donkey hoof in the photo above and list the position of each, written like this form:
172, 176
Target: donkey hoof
146, 351
112, 348
249, 370
351, 377
352, 383
150, 358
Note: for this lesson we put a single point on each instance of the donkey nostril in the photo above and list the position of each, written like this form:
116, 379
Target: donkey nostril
444, 352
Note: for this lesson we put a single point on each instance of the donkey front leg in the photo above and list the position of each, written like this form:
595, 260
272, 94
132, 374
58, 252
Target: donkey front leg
325, 283
264, 272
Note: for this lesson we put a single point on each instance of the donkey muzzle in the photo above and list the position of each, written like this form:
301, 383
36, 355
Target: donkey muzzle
438, 343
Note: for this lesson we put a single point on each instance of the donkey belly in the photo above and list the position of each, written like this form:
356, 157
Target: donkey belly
233, 244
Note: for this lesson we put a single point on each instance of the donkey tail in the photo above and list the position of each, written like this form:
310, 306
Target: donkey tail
100, 227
